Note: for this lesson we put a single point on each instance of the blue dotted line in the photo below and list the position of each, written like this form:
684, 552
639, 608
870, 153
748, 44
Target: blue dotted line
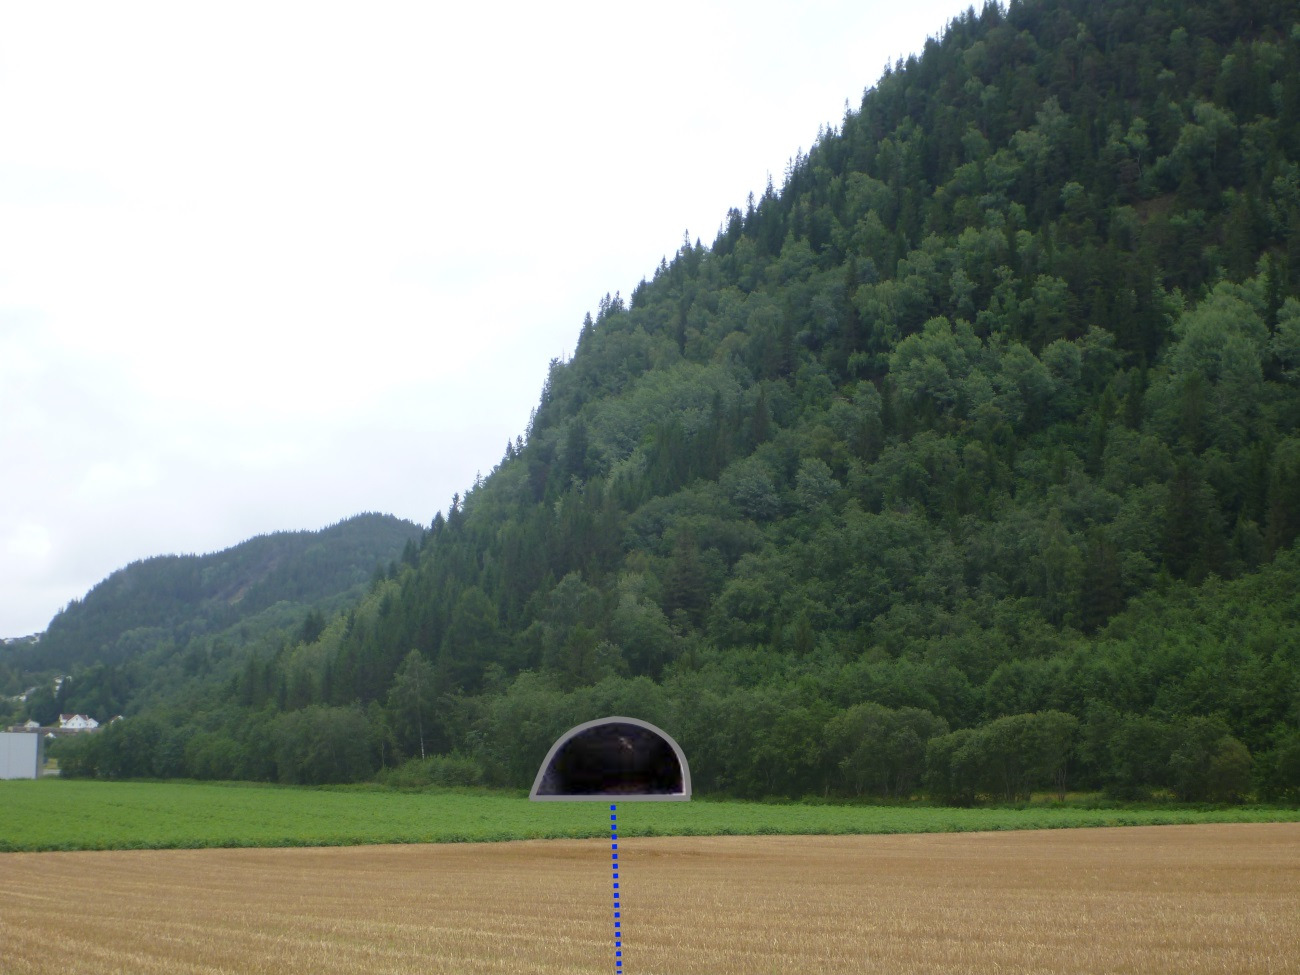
618, 914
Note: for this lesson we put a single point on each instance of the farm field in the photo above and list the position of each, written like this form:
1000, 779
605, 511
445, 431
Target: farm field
93, 815
1191, 899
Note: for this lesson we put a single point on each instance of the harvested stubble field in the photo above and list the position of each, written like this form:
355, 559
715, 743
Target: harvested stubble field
1211, 898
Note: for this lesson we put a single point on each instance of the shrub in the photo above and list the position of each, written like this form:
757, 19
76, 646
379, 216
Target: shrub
444, 770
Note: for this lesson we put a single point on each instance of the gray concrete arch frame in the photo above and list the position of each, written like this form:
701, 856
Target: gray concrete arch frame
613, 759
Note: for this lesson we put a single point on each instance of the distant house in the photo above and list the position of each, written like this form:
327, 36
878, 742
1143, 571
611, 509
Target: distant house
77, 722
31, 725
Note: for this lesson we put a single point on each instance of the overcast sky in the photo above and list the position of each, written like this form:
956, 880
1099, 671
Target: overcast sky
265, 266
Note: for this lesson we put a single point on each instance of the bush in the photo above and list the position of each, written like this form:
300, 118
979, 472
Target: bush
322, 745
78, 755
1279, 771
444, 770
1209, 765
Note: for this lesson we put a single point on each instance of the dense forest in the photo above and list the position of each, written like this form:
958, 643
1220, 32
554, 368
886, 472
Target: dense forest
965, 463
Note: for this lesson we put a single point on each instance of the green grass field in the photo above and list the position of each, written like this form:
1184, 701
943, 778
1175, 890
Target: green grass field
54, 814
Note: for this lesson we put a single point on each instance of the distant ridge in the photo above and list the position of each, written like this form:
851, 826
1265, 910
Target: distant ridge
186, 595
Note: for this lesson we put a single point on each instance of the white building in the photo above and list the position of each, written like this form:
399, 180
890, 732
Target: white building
21, 755
77, 722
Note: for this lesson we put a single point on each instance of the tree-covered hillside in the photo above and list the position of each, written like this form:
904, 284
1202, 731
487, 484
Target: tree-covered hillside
189, 612
969, 460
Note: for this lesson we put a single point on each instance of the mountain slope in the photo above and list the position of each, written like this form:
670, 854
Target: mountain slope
164, 604
854, 498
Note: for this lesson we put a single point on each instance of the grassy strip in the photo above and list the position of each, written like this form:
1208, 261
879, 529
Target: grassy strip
91, 815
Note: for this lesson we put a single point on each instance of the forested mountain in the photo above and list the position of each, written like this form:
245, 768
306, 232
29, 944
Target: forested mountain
969, 460
194, 609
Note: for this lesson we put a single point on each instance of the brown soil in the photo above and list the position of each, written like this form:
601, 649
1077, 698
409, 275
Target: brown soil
1181, 899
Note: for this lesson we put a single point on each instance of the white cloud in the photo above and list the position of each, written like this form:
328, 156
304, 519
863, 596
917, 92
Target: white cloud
30, 543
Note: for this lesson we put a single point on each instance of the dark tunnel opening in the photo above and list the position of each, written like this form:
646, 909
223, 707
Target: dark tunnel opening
613, 758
